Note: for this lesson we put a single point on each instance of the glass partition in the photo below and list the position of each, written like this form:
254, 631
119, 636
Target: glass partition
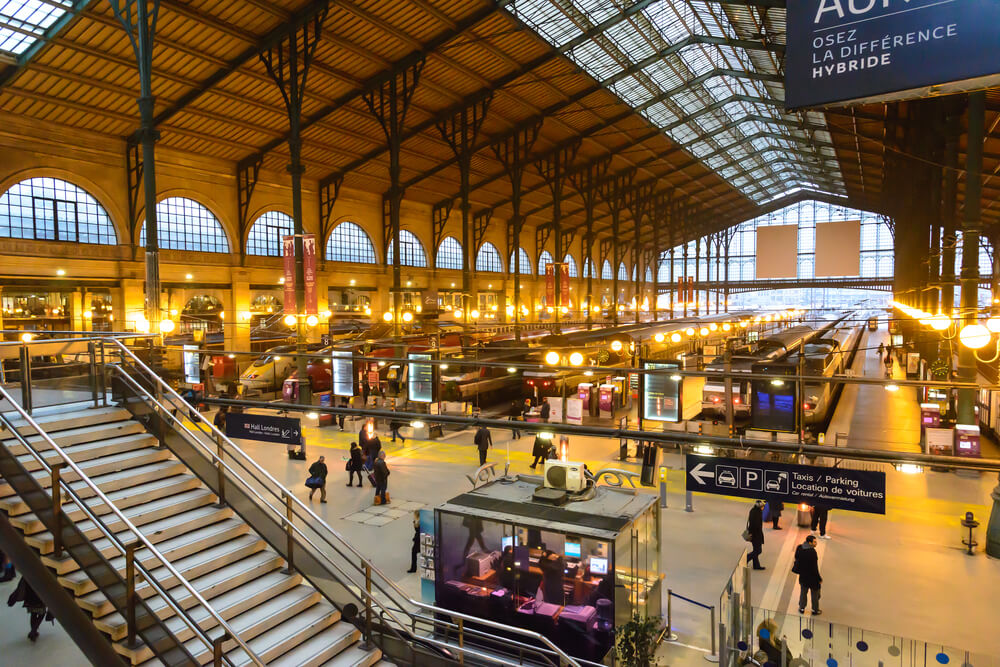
554, 583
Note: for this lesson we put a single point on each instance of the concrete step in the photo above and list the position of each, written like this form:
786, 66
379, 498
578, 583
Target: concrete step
112, 481
76, 436
55, 418
173, 550
336, 645
258, 572
266, 601
125, 461
123, 499
191, 567
145, 517
285, 636
88, 451
157, 532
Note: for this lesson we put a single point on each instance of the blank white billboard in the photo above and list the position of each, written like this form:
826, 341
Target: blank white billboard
777, 251
838, 249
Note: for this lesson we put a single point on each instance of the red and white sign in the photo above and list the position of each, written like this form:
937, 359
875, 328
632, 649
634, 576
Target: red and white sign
550, 284
288, 252
564, 284
309, 272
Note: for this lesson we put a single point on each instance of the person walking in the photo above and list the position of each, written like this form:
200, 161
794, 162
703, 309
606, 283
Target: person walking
820, 514
881, 349
355, 464
539, 450
888, 364
415, 549
340, 417
381, 473
33, 605
219, 420
318, 470
807, 567
483, 441
394, 427
365, 390
755, 533
776, 509
514, 416
544, 411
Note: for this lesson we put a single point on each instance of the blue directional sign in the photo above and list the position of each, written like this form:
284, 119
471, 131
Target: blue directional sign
833, 488
266, 428
843, 50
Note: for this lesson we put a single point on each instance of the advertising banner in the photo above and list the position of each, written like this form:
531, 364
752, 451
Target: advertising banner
550, 284
833, 488
853, 50
265, 428
564, 285
288, 254
309, 272
574, 411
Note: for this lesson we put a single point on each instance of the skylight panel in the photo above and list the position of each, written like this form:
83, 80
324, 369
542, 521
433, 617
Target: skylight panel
632, 90
547, 20
661, 114
598, 11
697, 60
663, 74
626, 37
595, 60
672, 29
24, 22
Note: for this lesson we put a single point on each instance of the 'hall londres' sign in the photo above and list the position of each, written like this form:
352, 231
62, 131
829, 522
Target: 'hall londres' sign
859, 50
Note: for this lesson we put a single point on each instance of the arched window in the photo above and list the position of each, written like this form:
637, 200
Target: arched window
663, 274
525, 267
349, 243
649, 274
488, 259
265, 234
543, 259
622, 272
412, 253
47, 209
606, 271
588, 269
449, 254
184, 224
571, 266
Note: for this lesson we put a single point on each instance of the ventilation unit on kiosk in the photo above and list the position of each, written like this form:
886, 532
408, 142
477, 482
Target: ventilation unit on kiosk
564, 475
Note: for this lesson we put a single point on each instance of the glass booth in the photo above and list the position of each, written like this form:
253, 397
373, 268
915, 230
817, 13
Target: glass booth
570, 572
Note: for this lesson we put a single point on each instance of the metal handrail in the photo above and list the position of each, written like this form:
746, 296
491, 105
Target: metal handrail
128, 525
315, 520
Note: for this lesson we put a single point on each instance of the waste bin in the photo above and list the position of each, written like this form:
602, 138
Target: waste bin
805, 515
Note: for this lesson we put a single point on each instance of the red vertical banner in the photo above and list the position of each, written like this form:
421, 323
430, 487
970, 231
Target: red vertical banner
564, 285
681, 291
550, 284
288, 252
690, 290
309, 272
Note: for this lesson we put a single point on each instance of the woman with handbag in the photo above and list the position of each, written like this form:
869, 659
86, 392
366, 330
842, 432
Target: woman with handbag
354, 465
317, 479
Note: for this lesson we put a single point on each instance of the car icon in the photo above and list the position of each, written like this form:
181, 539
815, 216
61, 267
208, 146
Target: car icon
727, 478
775, 484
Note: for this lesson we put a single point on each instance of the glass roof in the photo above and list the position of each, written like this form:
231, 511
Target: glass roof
24, 22
722, 103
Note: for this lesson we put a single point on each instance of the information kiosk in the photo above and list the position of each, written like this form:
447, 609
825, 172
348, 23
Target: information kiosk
571, 572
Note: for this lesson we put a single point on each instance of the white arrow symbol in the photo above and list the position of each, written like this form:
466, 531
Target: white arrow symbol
701, 475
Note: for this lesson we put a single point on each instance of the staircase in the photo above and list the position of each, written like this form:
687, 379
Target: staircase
281, 617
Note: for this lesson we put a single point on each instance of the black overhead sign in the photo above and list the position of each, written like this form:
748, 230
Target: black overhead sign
852, 50
266, 428
834, 488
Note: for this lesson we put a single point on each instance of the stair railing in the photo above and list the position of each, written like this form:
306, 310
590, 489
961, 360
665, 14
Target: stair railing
368, 588
133, 564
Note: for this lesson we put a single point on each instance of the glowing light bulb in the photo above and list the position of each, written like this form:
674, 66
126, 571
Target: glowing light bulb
290, 320
552, 357
576, 359
312, 320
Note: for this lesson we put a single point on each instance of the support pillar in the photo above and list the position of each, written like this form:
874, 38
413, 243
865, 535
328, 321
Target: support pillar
586, 181
970, 251
949, 206
76, 308
237, 324
553, 169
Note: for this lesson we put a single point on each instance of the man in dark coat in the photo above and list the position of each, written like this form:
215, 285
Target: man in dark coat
776, 508
369, 442
415, 549
820, 514
755, 525
540, 450
544, 410
515, 416
483, 442
807, 567
381, 471
319, 470
32, 603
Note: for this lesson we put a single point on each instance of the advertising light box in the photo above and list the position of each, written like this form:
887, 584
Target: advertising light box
420, 378
661, 394
867, 50
343, 372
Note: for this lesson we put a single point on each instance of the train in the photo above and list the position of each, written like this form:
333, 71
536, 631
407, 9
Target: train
829, 356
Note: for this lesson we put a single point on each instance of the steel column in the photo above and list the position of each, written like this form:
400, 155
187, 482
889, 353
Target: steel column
553, 169
586, 182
